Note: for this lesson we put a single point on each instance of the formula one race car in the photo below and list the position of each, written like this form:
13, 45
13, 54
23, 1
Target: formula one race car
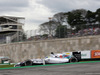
52, 59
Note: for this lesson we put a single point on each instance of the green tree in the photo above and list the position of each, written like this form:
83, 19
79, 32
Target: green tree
61, 31
48, 27
98, 15
90, 17
76, 18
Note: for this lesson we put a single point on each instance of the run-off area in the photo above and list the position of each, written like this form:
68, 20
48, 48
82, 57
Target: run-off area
69, 69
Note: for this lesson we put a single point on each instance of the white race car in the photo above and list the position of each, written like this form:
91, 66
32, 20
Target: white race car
52, 59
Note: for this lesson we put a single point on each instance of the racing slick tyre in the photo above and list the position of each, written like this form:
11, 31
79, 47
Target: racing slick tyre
16, 65
73, 59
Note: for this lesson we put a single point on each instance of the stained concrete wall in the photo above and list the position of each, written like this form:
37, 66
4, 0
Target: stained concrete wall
39, 49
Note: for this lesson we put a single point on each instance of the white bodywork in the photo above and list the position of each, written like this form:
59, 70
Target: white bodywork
52, 60
37, 61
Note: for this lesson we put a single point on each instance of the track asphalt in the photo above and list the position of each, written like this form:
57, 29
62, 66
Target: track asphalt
80, 68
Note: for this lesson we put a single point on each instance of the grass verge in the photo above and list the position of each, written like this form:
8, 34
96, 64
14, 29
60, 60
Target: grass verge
6, 66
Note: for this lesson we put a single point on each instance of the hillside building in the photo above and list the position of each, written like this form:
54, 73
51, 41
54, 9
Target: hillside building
11, 28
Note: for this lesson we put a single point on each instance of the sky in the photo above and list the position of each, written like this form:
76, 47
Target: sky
37, 12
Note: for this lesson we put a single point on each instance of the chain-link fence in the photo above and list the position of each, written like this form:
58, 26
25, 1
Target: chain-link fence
35, 35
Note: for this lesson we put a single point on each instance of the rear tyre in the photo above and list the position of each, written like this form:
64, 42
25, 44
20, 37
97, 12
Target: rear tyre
73, 59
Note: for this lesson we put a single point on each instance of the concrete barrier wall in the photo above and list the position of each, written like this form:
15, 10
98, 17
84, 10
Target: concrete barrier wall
39, 49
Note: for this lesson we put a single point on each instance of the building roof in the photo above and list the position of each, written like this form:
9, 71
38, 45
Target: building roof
12, 17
